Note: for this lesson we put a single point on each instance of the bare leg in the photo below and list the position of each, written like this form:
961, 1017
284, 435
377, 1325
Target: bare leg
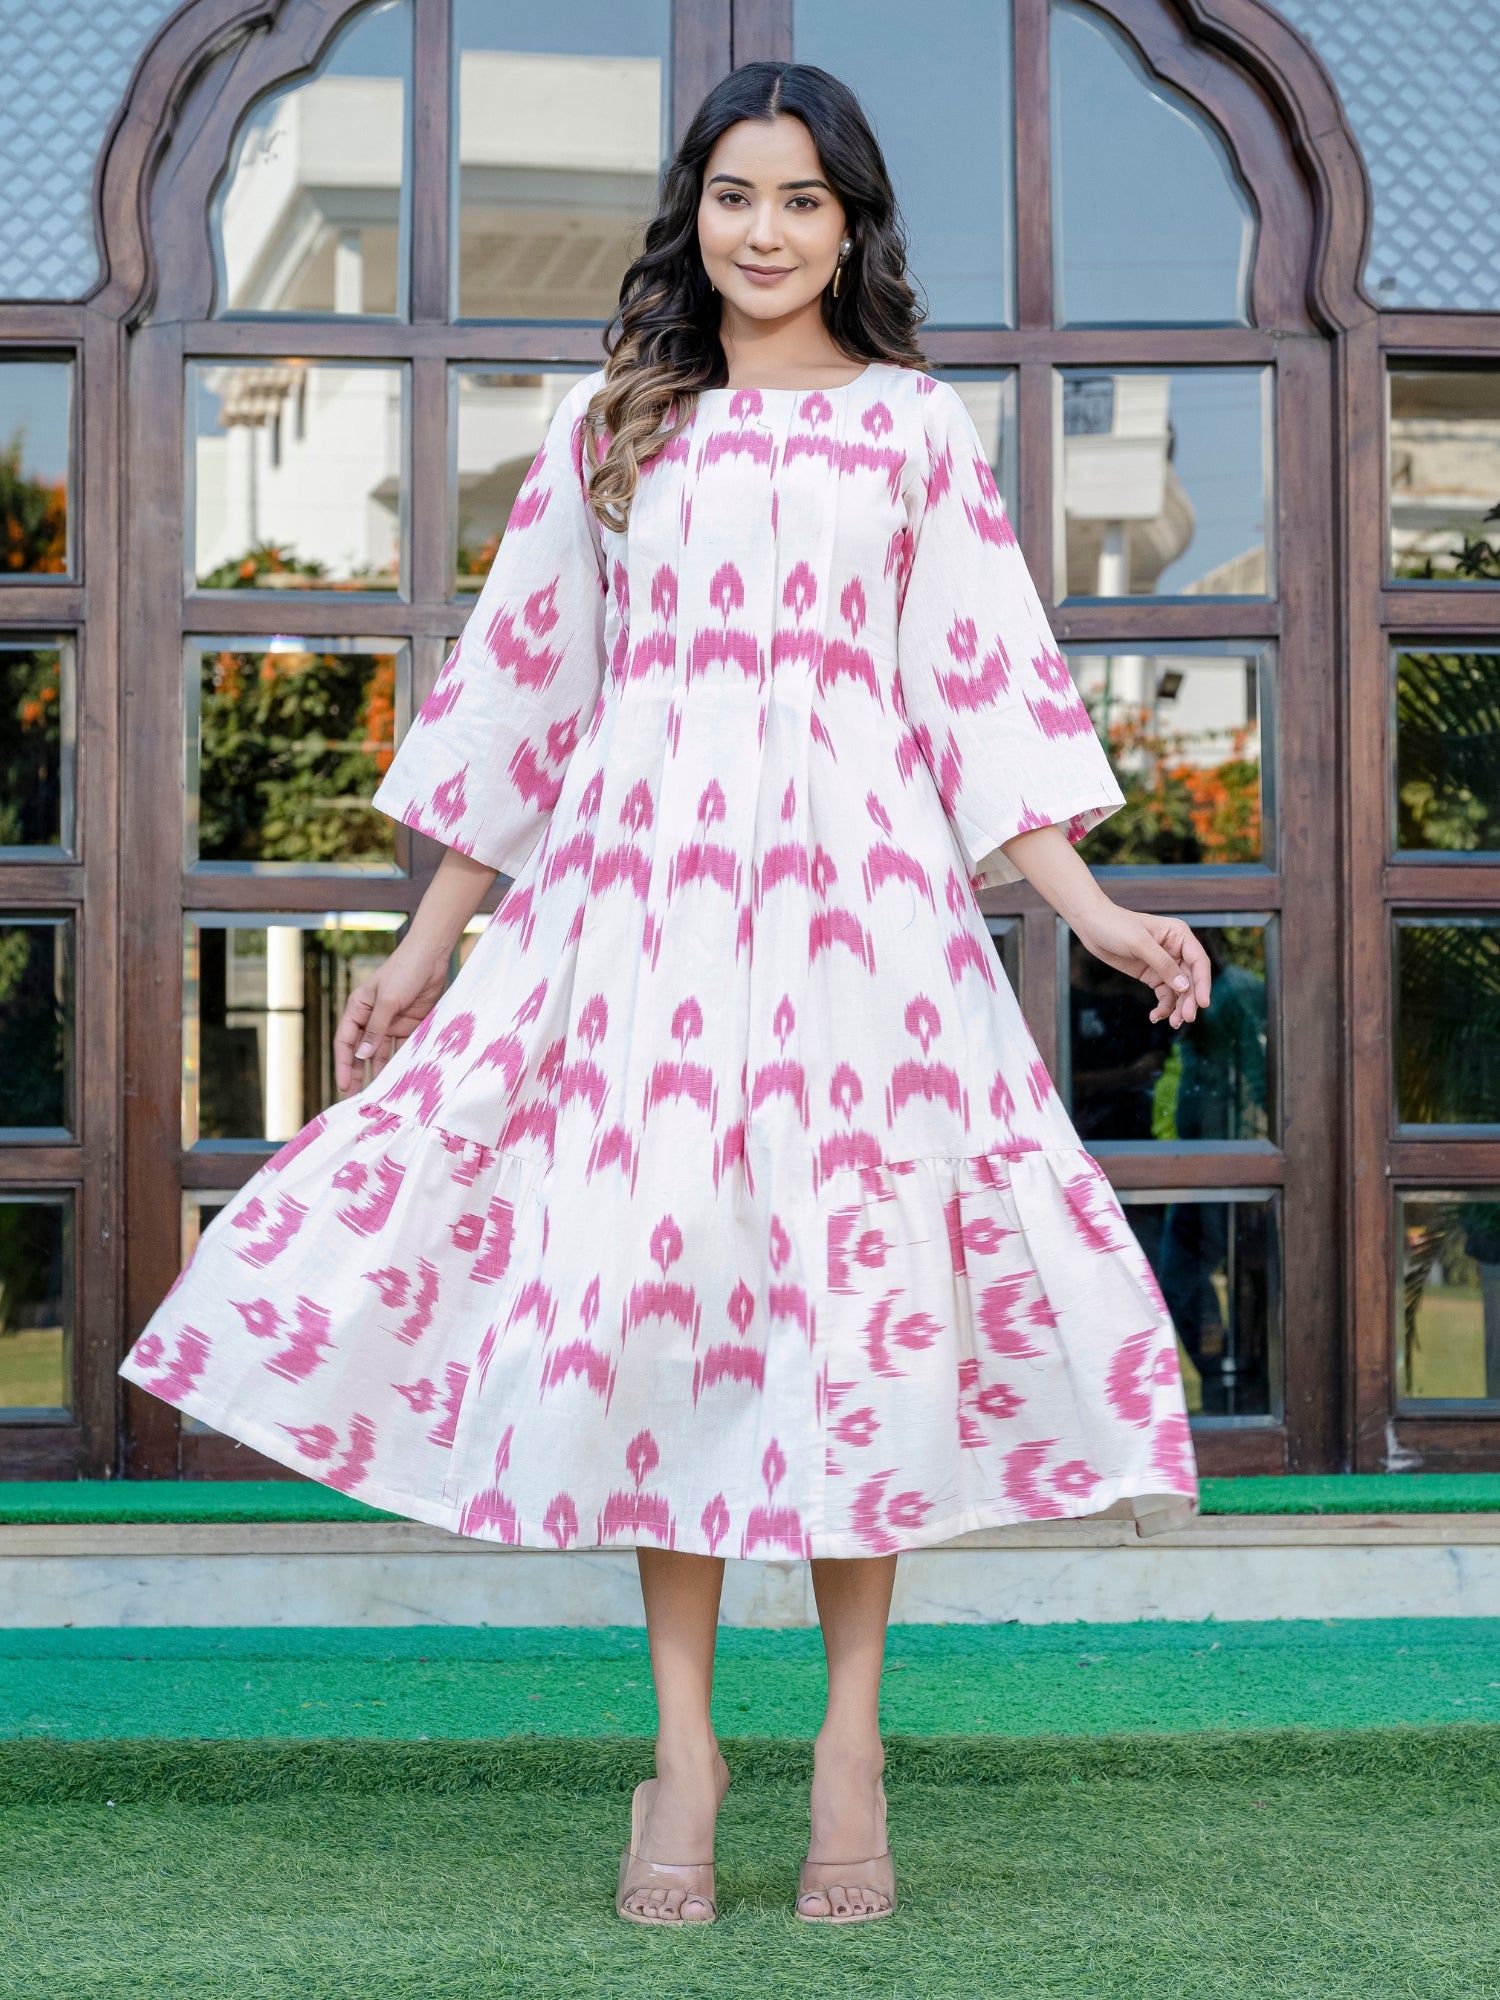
848, 1802
682, 1618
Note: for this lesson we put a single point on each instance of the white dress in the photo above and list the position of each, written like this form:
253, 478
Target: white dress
723, 1201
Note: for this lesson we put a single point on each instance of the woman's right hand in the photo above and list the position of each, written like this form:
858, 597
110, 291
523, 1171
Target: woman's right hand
387, 1007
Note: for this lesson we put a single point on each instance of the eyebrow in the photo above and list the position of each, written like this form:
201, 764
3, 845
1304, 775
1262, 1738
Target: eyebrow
783, 187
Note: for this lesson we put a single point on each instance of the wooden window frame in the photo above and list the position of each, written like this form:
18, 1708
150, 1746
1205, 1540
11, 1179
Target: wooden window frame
1333, 623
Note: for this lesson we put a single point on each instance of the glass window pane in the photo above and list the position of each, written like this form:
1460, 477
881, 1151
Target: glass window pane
1133, 1078
1448, 1311
36, 1025
563, 125
1215, 1260
1184, 730
1448, 751
991, 402
500, 420
1448, 1020
36, 1308
298, 475
1151, 226
1166, 483
1007, 934
1445, 474
37, 723
287, 740
312, 217
36, 435
945, 128
199, 1207
262, 997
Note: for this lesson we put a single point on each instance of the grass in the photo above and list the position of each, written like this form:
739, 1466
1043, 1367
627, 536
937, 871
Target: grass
1005, 1680
1353, 1866
103, 1501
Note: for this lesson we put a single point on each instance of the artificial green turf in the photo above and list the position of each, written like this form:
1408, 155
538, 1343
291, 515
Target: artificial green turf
103, 1501
1009, 1680
1364, 1872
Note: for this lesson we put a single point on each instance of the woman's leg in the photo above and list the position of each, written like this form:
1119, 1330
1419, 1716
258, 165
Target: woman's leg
682, 1620
848, 1803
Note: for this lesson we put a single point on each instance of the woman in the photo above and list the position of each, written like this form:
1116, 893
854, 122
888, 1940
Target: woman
722, 1204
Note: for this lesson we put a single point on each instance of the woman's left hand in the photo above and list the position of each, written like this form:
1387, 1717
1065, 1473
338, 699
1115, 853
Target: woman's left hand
1160, 951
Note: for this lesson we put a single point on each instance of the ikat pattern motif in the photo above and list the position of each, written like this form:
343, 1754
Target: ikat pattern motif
723, 1202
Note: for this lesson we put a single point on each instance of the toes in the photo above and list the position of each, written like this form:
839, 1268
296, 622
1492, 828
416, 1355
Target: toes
695, 1910
814, 1904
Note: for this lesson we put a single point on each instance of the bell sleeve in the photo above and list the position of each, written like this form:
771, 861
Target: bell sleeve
985, 689
481, 767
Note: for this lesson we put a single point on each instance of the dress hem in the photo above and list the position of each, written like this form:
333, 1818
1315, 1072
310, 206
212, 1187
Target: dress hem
385, 1499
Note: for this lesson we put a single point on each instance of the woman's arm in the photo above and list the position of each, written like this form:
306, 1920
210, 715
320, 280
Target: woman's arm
1160, 951
388, 1005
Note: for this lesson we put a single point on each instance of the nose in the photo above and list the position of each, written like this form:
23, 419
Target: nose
765, 227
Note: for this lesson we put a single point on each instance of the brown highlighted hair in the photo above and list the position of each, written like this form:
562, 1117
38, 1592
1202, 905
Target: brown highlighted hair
663, 345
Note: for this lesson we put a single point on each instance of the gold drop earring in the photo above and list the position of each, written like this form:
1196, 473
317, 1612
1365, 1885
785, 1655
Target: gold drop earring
838, 270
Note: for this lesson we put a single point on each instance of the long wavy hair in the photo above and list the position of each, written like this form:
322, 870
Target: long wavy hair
663, 345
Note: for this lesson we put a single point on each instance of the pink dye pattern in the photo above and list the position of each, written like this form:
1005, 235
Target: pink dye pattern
723, 1202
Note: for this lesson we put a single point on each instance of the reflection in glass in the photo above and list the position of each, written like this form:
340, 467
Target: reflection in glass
199, 1207
1183, 730
36, 428
1151, 225
991, 402
562, 129
945, 127
297, 475
36, 1025
1214, 1259
287, 740
313, 217
500, 420
1447, 767
1134, 1078
1445, 474
1448, 1313
36, 745
1165, 483
36, 1309
1448, 1020
262, 997
1006, 932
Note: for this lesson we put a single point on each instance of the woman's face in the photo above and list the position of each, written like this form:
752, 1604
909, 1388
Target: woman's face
769, 225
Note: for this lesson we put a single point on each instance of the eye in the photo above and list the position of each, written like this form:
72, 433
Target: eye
728, 195
804, 200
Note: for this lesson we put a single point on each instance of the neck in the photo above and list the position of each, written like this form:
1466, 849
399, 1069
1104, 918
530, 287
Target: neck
788, 352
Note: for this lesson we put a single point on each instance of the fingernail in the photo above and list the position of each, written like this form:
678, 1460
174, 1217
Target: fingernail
1180, 983
364, 1049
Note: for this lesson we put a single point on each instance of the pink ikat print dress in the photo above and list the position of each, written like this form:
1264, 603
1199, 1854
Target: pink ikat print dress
723, 1202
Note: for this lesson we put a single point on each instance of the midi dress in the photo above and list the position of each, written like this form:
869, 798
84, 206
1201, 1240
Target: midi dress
723, 1202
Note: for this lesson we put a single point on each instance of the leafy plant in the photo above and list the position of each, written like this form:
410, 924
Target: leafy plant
30, 744
264, 559
1448, 750
293, 745
1177, 809
33, 517
1476, 561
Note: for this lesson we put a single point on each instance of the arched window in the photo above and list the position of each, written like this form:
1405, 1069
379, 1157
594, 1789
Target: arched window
354, 255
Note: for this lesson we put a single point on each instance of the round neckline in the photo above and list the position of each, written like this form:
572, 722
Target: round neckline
837, 390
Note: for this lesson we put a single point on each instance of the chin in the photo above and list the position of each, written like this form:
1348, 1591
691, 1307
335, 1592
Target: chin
776, 304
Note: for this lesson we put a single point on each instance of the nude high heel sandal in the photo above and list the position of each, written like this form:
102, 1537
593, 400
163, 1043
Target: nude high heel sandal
694, 1878
821, 1878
